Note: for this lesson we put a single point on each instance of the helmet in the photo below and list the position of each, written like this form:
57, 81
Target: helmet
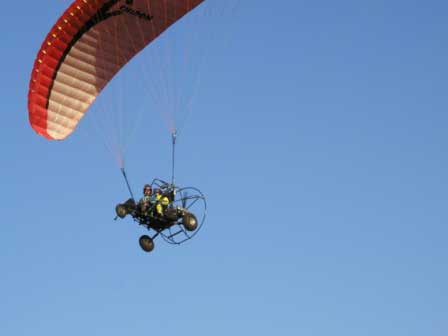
147, 186
157, 191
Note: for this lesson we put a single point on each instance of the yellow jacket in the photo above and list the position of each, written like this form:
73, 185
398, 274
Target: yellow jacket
161, 203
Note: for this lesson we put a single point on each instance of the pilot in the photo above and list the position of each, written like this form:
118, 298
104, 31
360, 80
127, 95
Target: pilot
146, 202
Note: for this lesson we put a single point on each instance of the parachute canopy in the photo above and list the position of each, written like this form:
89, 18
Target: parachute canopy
86, 47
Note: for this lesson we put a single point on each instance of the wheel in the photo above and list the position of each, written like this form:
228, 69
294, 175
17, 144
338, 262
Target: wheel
146, 243
121, 210
189, 222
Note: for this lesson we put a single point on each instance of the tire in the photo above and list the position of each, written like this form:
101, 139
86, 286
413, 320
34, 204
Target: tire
189, 222
121, 210
146, 243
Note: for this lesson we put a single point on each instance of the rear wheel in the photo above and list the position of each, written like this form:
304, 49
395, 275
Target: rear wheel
146, 243
189, 222
121, 210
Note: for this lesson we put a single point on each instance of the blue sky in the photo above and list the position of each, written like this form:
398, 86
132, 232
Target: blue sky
319, 137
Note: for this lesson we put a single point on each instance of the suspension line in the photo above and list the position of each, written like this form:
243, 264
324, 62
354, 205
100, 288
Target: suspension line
127, 182
173, 156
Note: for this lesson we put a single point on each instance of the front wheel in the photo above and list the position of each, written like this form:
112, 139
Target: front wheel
146, 243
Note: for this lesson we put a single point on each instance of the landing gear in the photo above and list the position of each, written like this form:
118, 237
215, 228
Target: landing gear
126, 208
121, 211
146, 243
189, 222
